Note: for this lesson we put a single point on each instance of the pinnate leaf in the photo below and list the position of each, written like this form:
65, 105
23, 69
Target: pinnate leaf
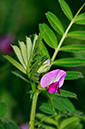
73, 75
48, 35
73, 48
68, 94
15, 63
55, 23
66, 9
77, 35
80, 19
69, 62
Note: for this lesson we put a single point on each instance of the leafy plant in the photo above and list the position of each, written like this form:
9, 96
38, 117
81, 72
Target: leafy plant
32, 57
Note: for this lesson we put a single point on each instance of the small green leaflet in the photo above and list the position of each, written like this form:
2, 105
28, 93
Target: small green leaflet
20, 76
80, 19
48, 35
55, 23
63, 104
46, 119
15, 63
73, 75
23, 51
44, 49
66, 9
68, 94
29, 47
44, 108
77, 35
3, 109
19, 55
70, 62
70, 123
73, 48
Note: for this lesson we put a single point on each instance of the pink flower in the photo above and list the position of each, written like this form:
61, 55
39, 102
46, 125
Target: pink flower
53, 80
24, 126
5, 43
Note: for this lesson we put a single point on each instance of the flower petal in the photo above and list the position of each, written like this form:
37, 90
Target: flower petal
48, 78
58, 90
60, 77
61, 81
52, 88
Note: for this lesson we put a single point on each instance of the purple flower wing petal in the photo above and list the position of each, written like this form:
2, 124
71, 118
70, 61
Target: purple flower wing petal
48, 78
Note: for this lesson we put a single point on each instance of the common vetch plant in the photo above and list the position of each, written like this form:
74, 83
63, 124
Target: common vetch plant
34, 60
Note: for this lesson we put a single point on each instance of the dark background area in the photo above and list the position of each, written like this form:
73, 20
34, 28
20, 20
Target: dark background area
17, 20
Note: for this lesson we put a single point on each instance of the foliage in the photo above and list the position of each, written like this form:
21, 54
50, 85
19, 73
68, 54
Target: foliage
31, 57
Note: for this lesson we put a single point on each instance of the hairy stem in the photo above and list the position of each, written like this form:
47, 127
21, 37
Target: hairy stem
33, 110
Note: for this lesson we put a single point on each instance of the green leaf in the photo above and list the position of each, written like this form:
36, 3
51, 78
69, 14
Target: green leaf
44, 49
1, 127
19, 55
77, 35
63, 104
36, 60
74, 125
20, 76
29, 47
73, 75
7, 126
13, 126
48, 35
69, 62
44, 108
15, 63
23, 51
73, 48
80, 19
3, 109
45, 118
65, 93
68, 121
66, 9
55, 23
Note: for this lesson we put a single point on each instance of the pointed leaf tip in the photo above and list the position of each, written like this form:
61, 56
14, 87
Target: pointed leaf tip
55, 23
66, 9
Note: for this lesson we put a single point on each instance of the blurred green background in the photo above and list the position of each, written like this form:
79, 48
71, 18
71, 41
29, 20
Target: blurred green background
17, 20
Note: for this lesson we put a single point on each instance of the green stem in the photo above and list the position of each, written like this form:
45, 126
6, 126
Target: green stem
65, 34
33, 110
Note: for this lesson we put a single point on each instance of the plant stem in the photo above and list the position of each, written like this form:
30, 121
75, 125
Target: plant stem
61, 41
33, 110
65, 34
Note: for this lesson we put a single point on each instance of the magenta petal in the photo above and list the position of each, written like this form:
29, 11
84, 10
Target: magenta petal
53, 87
58, 90
48, 78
